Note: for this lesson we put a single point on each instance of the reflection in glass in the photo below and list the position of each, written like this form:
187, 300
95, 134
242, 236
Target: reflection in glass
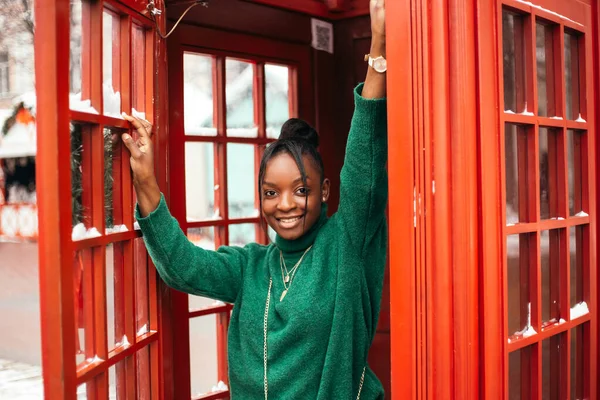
202, 237
138, 71
142, 287
551, 368
519, 374
199, 181
79, 65
572, 76
198, 105
516, 169
575, 160
241, 180
277, 98
240, 99
143, 374
84, 312
548, 158
111, 65
550, 269
579, 351
515, 73
576, 241
81, 200
545, 70
242, 234
518, 271
203, 353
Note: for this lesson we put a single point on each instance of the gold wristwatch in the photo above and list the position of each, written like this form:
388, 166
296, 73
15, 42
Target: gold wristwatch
379, 64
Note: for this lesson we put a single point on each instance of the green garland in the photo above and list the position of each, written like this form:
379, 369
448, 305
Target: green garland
77, 175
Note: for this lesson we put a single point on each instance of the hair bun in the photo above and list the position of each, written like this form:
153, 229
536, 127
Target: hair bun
298, 129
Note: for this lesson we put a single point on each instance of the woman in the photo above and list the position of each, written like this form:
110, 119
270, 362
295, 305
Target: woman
306, 307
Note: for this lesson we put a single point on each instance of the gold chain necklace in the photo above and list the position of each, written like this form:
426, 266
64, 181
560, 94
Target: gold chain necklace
266, 325
288, 277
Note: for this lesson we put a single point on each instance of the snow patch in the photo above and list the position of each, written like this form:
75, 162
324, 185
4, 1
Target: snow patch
76, 104
579, 119
579, 310
582, 214
143, 330
138, 114
124, 342
221, 386
136, 226
112, 101
548, 11
116, 229
509, 112
80, 233
559, 118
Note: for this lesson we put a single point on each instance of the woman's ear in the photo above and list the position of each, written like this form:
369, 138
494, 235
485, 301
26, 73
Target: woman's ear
325, 190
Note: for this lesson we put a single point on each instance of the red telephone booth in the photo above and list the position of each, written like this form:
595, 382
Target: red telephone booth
491, 290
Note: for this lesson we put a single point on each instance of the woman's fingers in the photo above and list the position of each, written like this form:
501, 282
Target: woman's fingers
144, 128
132, 146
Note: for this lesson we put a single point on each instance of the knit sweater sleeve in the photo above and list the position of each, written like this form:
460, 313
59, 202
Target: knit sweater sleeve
187, 267
363, 188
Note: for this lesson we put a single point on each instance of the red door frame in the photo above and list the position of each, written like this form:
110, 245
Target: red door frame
221, 43
56, 248
436, 57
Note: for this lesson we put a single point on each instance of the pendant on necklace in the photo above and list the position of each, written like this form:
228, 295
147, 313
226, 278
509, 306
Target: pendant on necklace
287, 279
283, 295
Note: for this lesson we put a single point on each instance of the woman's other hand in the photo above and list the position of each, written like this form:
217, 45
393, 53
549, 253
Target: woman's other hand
377, 8
142, 153
142, 165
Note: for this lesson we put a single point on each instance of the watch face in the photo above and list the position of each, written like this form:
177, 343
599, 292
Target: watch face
380, 64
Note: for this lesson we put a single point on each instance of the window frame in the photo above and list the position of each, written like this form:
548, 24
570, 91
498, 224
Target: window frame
62, 375
492, 315
221, 44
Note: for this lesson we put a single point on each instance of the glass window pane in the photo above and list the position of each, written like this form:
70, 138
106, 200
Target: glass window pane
547, 89
142, 288
204, 238
84, 311
115, 296
576, 243
199, 182
138, 71
113, 204
572, 76
203, 354
111, 76
579, 358
517, 143
81, 182
241, 179
552, 367
576, 162
520, 365
519, 264
242, 234
551, 259
549, 151
143, 374
277, 98
198, 105
240, 99
515, 72
80, 78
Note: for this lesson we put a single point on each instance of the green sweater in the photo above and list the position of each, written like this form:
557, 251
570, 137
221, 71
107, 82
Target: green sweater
320, 334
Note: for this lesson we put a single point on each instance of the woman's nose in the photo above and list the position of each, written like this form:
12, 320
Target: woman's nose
286, 203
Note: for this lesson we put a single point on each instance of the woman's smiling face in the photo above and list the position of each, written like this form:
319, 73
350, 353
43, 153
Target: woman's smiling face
289, 206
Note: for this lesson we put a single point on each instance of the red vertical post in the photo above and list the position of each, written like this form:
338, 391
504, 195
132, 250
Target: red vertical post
54, 198
401, 187
463, 133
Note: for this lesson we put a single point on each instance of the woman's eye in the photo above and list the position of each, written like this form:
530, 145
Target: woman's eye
269, 193
303, 191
